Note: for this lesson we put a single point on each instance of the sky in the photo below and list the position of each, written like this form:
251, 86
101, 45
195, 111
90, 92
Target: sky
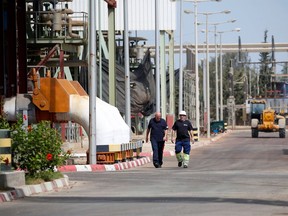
253, 17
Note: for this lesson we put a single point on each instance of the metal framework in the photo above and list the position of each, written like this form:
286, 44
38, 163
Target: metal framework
226, 48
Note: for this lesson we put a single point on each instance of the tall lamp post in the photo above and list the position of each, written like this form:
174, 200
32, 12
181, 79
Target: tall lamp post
207, 14
221, 69
180, 104
92, 84
216, 67
157, 53
197, 104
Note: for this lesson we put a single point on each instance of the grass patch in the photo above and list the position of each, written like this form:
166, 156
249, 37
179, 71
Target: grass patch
41, 177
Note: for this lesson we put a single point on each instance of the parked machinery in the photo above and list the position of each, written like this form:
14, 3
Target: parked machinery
265, 119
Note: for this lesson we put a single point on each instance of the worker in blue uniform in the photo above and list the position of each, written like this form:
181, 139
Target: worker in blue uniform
157, 128
183, 130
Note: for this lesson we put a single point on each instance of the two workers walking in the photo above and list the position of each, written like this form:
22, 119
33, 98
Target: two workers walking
181, 135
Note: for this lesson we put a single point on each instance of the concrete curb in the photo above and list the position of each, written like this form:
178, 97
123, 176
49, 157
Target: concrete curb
104, 167
28, 190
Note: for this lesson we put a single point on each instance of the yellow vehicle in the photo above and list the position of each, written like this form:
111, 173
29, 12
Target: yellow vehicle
265, 120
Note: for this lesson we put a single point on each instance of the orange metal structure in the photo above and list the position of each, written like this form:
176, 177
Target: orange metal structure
52, 95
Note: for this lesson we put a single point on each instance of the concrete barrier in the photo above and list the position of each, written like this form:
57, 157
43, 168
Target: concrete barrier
225, 126
12, 179
195, 134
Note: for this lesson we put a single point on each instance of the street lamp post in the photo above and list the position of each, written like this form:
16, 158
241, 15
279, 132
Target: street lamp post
92, 84
197, 104
207, 68
216, 67
216, 74
221, 70
207, 80
127, 67
180, 104
196, 68
157, 56
221, 78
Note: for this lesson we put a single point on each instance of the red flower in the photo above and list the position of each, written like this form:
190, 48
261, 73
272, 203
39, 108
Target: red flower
6, 161
29, 128
49, 157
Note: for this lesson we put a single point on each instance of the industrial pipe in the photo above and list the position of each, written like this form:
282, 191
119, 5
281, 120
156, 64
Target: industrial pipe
110, 126
58, 18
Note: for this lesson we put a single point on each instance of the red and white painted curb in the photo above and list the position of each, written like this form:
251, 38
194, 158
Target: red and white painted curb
28, 190
104, 167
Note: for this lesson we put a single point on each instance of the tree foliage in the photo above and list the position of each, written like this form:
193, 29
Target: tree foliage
265, 70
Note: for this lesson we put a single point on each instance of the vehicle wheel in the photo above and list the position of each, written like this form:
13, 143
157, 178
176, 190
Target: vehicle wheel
282, 132
255, 133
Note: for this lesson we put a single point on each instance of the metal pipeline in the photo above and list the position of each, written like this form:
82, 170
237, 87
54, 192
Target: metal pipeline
14, 106
58, 18
110, 126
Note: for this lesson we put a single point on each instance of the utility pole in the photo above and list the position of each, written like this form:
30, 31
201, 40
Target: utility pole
231, 99
92, 83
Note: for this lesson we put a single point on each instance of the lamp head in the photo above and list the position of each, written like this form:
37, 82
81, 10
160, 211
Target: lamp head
188, 11
227, 11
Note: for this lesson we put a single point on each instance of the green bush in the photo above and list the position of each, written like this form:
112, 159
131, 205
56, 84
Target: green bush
4, 123
36, 148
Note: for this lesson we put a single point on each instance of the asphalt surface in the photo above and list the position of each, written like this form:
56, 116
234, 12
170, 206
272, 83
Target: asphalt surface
236, 175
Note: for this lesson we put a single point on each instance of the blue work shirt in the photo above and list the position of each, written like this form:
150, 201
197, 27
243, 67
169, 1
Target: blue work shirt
157, 129
182, 128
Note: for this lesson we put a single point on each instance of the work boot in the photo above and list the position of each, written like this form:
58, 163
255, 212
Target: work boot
156, 165
186, 160
179, 159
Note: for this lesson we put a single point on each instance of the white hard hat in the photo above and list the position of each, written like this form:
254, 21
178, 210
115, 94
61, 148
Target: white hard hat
182, 113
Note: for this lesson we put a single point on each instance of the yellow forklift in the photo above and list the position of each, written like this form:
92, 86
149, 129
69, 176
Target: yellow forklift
265, 119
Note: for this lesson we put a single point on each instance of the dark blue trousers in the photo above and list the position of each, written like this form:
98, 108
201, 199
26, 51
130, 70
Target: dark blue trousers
182, 144
157, 147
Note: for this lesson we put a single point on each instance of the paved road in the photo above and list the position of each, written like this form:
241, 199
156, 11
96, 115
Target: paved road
237, 175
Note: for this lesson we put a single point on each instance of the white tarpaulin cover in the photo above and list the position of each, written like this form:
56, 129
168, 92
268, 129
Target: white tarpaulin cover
110, 126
